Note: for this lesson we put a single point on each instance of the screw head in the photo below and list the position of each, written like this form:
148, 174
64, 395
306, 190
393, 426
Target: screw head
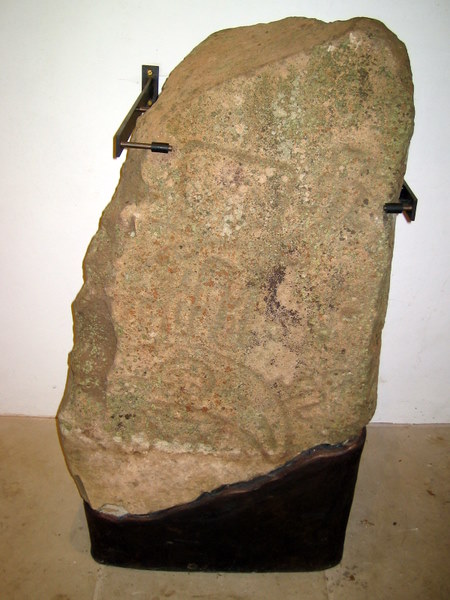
149, 72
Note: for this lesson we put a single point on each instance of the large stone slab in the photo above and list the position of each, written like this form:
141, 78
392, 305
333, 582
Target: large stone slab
236, 289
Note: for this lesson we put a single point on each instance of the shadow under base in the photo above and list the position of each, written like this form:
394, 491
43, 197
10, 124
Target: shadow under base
292, 519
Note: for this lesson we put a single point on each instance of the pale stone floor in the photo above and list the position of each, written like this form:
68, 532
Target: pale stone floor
397, 544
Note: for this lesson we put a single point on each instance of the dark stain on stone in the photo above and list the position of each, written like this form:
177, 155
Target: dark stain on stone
124, 416
364, 86
275, 309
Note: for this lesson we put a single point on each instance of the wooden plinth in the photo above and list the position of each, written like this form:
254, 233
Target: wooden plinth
292, 519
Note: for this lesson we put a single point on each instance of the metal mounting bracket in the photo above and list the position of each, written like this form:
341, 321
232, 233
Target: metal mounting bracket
148, 96
407, 204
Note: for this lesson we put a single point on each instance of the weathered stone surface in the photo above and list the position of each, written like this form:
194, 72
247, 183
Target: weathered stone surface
236, 289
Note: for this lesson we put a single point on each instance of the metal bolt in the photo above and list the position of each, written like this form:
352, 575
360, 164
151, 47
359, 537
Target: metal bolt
149, 102
149, 72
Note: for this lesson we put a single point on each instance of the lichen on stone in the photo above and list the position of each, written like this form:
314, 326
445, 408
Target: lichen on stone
235, 293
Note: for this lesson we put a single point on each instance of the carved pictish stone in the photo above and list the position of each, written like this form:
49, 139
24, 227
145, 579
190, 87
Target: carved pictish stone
235, 292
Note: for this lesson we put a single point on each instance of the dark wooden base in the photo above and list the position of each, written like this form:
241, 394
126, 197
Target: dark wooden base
292, 519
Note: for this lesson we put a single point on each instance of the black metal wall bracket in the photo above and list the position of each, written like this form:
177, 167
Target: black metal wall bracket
407, 204
148, 96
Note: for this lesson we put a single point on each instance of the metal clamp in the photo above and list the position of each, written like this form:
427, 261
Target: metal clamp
148, 96
407, 204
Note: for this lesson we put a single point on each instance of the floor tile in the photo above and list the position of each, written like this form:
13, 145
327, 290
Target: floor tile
146, 585
398, 537
39, 518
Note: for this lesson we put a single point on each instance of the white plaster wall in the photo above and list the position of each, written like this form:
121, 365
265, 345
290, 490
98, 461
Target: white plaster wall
69, 73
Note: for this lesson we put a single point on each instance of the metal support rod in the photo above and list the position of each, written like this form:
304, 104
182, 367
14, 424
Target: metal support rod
396, 208
407, 204
153, 146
